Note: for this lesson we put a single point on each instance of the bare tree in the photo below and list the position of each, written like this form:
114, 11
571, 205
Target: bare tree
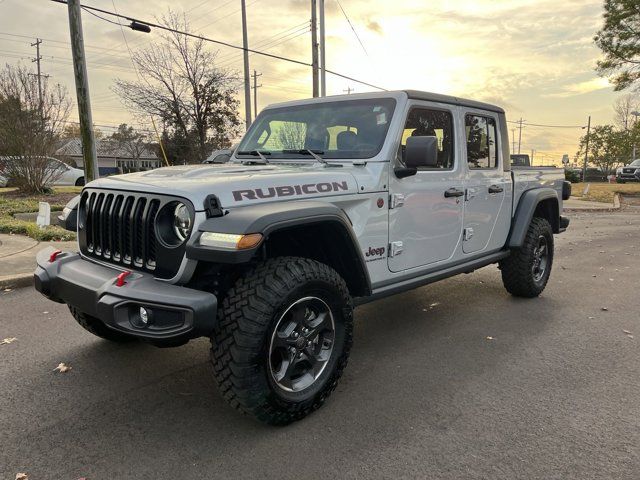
624, 108
130, 141
29, 129
181, 84
291, 135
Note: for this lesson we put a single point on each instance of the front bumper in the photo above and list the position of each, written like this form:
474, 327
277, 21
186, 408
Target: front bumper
629, 177
177, 313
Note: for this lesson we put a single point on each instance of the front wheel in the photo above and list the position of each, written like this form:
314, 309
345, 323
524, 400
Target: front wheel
80, 182
526, 271
283, 338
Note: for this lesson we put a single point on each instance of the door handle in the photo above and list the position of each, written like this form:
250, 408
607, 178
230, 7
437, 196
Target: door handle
453, 192
496, 189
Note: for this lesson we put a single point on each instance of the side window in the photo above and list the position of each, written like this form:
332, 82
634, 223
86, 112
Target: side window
482, 148
433, 123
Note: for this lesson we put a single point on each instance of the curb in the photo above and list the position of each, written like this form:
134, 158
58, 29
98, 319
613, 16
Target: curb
591, 210
16, 281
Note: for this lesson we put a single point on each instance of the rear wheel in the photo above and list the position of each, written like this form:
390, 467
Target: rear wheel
99, 329
80, 182
283, 339
526, 271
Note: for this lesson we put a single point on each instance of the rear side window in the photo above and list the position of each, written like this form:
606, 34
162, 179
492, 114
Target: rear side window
482, 142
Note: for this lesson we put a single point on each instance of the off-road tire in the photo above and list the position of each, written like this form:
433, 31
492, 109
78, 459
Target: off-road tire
99, 329
517, 269
246, 320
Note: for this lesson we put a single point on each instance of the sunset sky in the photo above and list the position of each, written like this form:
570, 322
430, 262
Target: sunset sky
533, 57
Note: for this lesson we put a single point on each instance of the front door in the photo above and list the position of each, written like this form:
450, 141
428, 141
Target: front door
487, 185
425, 223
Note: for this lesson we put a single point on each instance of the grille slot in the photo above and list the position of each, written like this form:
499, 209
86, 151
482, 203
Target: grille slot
121, 228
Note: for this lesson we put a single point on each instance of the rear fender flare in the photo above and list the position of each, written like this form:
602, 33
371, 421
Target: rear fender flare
525, 210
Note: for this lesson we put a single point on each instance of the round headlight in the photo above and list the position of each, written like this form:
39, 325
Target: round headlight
181, 221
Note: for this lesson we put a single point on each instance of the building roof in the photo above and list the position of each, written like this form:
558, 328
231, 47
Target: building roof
105, 148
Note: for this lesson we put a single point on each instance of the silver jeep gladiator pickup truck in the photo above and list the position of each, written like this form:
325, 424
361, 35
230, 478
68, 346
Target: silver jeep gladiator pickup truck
326, 204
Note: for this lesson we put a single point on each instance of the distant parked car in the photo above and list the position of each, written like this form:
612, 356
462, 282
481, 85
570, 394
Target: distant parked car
65, 175
520, 160
3, 181
221, 156
629, 173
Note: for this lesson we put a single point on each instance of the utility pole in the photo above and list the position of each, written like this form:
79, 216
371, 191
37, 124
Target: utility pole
513, 140
247, 79
348, 90
323, 53
255, 92
532, 152
90, 154
586, 151
314, 47
39, 75
520, 136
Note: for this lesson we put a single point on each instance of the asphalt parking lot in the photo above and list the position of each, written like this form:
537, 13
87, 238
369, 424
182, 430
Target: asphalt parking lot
455, 380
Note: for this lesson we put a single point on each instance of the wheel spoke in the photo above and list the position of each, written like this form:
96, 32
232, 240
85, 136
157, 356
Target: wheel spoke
318, 324
287, 368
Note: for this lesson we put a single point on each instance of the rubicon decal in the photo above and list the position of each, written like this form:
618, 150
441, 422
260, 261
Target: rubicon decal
290, 190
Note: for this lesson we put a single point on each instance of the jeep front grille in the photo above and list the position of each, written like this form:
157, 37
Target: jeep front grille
120, 228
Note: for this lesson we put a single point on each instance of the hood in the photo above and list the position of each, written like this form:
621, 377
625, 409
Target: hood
237, 184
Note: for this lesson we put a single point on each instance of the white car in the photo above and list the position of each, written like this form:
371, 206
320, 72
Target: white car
64, 175
69, 175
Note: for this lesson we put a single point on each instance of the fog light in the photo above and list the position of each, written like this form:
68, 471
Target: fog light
145, 317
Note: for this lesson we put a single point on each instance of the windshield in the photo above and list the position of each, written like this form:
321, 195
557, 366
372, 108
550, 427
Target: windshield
635, 163
347, 129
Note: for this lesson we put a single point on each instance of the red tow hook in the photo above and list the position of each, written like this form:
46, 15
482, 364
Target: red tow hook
54, 255
120, 280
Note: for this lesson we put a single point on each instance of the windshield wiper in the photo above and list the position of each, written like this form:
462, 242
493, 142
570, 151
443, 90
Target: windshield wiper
255, 153
306, 151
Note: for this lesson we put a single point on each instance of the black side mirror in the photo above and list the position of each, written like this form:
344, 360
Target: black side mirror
421, 152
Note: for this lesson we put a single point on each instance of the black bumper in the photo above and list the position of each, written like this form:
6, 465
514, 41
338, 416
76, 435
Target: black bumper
176, 313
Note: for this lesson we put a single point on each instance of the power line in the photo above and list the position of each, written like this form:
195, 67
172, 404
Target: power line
545, 126
352, 28
219, 42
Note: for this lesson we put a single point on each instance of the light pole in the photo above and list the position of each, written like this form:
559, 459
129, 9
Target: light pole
636, 114
586, 151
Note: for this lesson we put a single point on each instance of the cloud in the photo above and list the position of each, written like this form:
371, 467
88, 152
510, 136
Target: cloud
374, 27
581, 88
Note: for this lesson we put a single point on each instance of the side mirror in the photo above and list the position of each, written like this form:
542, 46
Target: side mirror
421, 152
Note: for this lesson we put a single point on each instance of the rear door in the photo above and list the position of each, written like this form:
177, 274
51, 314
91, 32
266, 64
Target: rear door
425, 225
487, 185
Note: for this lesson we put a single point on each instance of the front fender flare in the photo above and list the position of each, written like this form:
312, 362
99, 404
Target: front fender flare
269, 218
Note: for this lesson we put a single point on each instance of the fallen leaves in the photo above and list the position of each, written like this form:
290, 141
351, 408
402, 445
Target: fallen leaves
604, 309
22, 476
628, 333
62, 368
7, 341
490, 338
